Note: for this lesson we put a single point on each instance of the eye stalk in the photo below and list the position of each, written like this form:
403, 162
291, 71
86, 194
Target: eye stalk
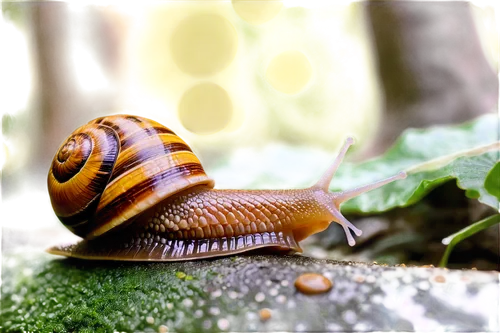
332, 201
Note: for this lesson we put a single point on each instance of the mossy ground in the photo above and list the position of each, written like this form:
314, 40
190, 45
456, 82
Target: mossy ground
62, 295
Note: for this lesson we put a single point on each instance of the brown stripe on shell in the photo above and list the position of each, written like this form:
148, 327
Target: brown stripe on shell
148, 149
121, 202
145, 186
66, 165
148, 127
122, 126
134, 119
115, 127
90, 192
132, 129
150, 169
146, 132
74, 197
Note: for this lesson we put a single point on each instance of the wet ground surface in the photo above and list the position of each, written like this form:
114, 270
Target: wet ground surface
242, 293
363, 297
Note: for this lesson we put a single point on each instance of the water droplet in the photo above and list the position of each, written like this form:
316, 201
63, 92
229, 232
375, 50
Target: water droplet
281, 299
250, 316
259, 297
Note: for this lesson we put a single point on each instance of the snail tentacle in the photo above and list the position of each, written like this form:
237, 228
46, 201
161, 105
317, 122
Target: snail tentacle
326, 178
349, 194
332, 201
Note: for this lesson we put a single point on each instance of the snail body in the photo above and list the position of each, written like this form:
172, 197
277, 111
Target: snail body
133, 190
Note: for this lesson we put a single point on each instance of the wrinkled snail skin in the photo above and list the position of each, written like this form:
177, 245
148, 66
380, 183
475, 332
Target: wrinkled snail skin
135, 191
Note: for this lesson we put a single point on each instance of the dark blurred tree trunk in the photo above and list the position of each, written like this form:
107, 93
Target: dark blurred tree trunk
431, 66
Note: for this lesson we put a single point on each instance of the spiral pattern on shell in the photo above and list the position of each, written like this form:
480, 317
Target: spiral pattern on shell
114, 168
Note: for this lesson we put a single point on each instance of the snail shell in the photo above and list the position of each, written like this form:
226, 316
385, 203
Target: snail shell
114, 168
133, 190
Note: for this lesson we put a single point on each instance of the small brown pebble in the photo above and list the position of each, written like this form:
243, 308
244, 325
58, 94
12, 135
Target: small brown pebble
265, 314
474, 268
313, 283
440, 279
402, 265
427, 266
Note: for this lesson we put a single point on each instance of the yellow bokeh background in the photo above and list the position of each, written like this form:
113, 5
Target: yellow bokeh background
286, 72
170, 84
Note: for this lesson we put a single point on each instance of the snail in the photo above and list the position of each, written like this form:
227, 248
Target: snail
133, 190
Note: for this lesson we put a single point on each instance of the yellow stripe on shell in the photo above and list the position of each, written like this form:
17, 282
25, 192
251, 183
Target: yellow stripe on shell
67, 197
123, 126
145, 144
139, 174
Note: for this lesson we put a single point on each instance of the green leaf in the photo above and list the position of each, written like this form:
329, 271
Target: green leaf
466, 232
431, 156
492, 182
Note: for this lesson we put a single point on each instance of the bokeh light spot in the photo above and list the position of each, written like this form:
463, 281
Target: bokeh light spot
204, 44
257, 11
205, 109
289, 72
